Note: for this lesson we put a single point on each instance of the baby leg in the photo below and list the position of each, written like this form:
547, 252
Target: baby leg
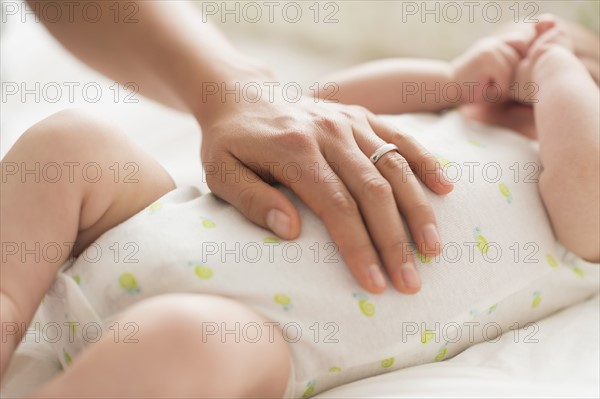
67, 180
187, 346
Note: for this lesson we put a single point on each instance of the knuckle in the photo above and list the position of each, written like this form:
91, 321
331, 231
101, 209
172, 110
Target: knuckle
423, 209
327, 123
348, 113
376, 187
354, 112
394, 163
359, 109
423, 161
213, 163
330, 125
422, 153
213, 182
296, 139
401, 139
217, 141
247, 200
355, 250
398, 244
343, 203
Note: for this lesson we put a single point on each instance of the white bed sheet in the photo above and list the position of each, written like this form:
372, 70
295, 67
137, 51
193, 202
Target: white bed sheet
564, 363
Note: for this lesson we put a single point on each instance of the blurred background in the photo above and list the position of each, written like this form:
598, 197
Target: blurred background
330, 35
301, 40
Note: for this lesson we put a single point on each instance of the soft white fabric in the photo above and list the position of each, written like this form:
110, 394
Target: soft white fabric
501, 268
565, 362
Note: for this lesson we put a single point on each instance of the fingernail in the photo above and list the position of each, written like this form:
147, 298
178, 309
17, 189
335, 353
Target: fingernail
442, 178
410, 276
376, 276
431, 237
279, 223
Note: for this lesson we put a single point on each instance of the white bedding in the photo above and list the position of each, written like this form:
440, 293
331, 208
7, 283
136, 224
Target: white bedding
564, 363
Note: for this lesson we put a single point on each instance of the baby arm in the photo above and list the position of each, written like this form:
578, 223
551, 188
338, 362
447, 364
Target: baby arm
396, 86
391, 86
566, 116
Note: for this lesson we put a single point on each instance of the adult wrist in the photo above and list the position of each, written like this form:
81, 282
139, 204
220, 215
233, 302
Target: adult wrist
230, 90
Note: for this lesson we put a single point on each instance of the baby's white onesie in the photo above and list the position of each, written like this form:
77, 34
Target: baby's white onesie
500, 268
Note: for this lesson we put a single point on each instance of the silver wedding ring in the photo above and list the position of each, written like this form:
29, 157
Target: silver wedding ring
381, 151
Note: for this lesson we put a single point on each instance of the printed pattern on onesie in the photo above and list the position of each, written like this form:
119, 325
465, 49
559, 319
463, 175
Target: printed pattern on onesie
500, 268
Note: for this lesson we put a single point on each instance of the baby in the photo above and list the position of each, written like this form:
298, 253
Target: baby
182, 280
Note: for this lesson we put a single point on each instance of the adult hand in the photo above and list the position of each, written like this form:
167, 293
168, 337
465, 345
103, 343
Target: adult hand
360, 203
173, 55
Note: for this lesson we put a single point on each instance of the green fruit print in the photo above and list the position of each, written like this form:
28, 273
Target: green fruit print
427, 336
283, 300
505, 191
271, 240
155, 207
334, 369
367, 308
442, 161
482, 242
578, 272
422, 258
67, 357
310, 389
537, 299
203, 272
208, 224
77, 278
129, 283
489, 310
551, 261
73, 327
387, 363
476, 143
441, 354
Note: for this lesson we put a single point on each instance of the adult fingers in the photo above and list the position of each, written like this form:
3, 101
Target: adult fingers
375, 197
411, 199
257, 200
325, 193
421, 162
380, 190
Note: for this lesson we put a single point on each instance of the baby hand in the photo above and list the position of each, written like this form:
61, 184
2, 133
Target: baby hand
549, 33
489, 66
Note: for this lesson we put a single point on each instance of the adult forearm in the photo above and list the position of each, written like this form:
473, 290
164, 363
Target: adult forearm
166, 48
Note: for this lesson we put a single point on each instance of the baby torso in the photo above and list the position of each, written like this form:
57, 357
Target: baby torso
500, 267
